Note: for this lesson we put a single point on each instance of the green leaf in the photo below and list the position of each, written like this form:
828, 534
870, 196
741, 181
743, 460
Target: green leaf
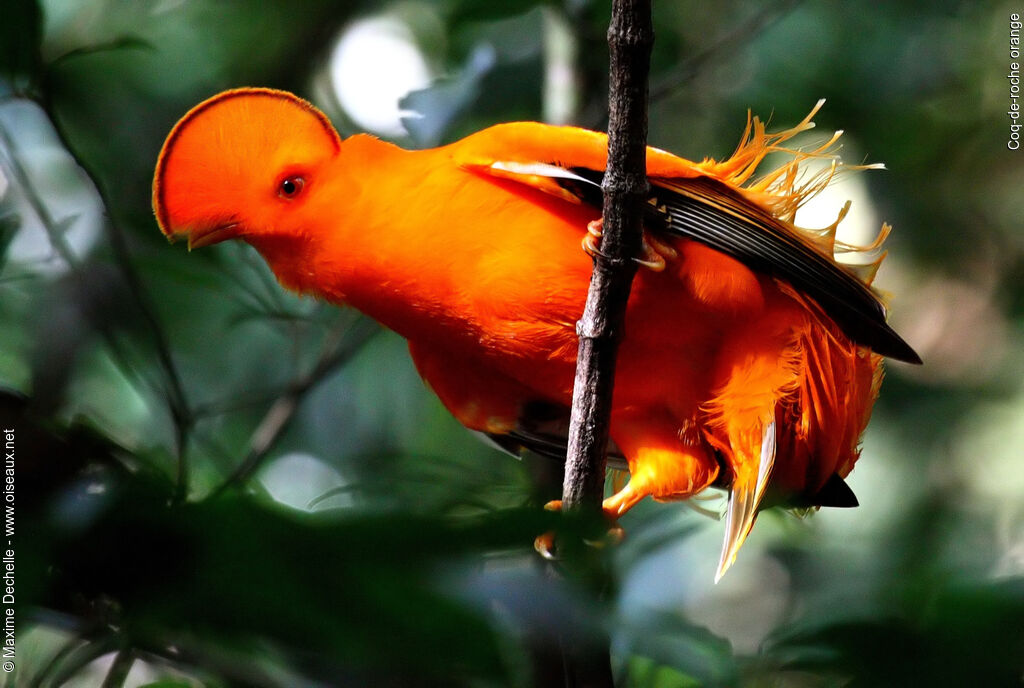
121, 43
231, 575
671, 641
438, 106
957, 634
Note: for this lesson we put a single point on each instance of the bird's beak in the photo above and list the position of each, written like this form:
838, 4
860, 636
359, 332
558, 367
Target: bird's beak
207, 236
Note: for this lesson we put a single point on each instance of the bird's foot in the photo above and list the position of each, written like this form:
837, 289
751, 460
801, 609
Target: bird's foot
545, 544
595, 229
656, 253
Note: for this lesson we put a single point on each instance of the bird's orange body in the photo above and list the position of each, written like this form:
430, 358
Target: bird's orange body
472, 252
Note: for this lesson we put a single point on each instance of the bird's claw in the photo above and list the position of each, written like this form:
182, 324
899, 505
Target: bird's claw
655, 252
544, 544
595, 229
651, 260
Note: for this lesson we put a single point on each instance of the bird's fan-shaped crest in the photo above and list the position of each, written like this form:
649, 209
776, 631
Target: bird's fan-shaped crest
229, 136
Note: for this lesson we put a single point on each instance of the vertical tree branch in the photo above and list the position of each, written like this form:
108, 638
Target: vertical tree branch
119, 668
630, 37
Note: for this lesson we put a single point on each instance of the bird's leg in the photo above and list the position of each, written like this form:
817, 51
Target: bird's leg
668, 460
666, 475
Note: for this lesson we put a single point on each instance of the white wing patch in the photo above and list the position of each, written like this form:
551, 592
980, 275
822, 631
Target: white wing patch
542, 176
538, 169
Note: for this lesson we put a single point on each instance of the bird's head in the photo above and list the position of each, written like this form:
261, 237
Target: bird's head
245, 163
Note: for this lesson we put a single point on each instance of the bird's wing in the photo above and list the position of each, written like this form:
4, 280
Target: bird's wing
704, 202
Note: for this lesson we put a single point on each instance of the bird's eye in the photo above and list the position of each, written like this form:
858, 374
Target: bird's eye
290, 187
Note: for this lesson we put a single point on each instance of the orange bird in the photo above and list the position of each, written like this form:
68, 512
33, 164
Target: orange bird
750, 360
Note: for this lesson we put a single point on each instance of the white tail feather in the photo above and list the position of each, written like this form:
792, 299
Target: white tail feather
744, 499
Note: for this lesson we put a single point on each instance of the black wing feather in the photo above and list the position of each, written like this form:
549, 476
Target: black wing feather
708, 211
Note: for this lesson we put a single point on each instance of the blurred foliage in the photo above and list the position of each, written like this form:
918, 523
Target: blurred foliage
368, 539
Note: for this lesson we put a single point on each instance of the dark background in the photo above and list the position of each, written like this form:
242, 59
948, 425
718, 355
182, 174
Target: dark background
376, 542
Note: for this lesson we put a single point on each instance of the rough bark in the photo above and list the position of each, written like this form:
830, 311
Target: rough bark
630, 37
